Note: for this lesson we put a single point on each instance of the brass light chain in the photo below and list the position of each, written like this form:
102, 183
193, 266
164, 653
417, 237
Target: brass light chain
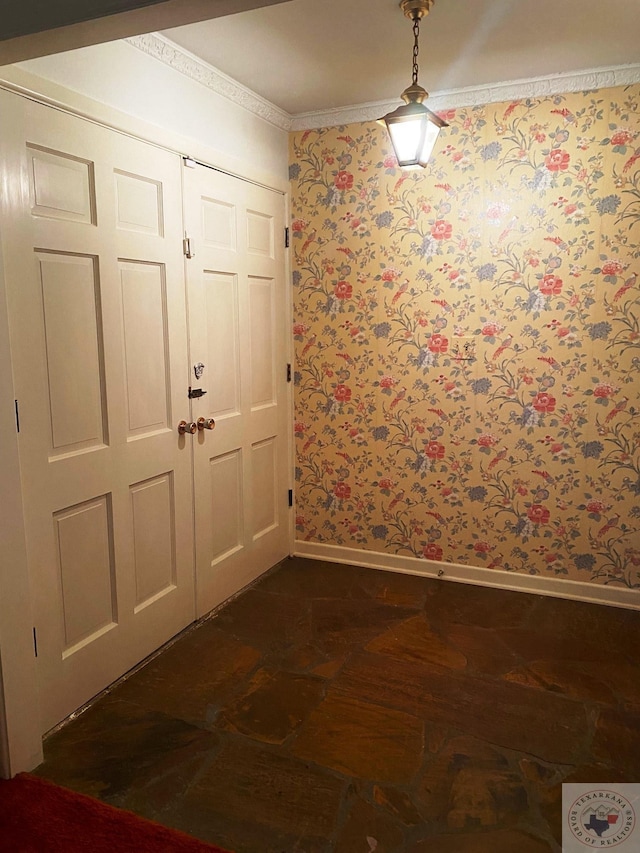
416, 48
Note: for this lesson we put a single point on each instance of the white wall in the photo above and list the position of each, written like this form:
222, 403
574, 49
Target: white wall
125, 78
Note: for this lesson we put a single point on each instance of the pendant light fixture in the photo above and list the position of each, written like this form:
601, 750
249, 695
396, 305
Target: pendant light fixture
412, 127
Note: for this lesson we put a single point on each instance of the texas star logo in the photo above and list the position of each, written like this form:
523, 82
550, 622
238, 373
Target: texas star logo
601, 819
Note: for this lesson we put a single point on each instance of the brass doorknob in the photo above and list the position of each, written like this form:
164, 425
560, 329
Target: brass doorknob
206, 423
191, 427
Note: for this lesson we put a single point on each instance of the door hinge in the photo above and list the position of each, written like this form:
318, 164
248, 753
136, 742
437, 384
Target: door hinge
35, 641
288, 373
286, 238
187, 248
17, 416
290, 497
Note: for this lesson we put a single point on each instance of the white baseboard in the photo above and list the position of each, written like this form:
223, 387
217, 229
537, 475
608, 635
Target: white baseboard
554, 587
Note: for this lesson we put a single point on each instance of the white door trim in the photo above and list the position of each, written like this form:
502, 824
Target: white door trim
20, 741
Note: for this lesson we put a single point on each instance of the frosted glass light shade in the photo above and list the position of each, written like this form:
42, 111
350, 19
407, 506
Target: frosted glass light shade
413, 130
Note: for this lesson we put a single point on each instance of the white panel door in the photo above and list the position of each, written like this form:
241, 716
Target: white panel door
93, 252
237, 322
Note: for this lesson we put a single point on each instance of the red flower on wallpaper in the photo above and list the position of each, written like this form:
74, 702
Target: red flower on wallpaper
298, 225
390, 274
342, 490
431, 551
385, 483
438, 343
490, 330
342, 393
604, 390
544, 402
550, 285
487, 440
557, 160
612, 268
538, 514
343, 290
300, 328
596, 506
441, 229
434, 450
622, 137
388, 382
390, 161
482, 547
344, 180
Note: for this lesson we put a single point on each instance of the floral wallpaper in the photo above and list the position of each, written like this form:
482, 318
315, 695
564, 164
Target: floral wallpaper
467, 373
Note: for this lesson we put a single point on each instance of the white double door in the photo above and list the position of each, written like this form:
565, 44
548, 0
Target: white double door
133, 529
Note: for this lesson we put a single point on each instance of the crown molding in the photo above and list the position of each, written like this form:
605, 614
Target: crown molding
191, 66
472, 96
184, 62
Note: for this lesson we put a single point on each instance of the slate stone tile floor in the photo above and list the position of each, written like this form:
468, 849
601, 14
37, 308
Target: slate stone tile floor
336, 708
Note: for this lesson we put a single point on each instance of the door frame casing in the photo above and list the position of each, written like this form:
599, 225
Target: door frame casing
20, 739
20, 735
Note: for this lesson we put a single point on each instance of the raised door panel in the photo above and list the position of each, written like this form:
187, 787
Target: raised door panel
222, 344
265, 485
219, 224
84, 538
262, 325
227, 506
153, 520
62, 186
260, 234
72, 332
138, 204
144, 317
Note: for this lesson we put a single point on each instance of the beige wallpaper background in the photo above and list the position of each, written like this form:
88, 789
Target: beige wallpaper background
467, 374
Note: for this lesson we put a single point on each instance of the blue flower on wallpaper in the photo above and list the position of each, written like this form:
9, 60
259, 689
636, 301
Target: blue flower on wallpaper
477, 493
423, 357
294, 171
608, 204
384, 219
382, 330
600, 331
297, 277
584, 562
481, 386
427, 247
486, 272
592, 449
381, 433
490, 151
380, 531
520, 525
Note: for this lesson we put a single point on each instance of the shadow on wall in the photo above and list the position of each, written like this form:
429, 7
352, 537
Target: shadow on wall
468, 339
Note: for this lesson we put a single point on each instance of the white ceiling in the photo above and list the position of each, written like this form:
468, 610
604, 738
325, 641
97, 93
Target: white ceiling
312, 55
